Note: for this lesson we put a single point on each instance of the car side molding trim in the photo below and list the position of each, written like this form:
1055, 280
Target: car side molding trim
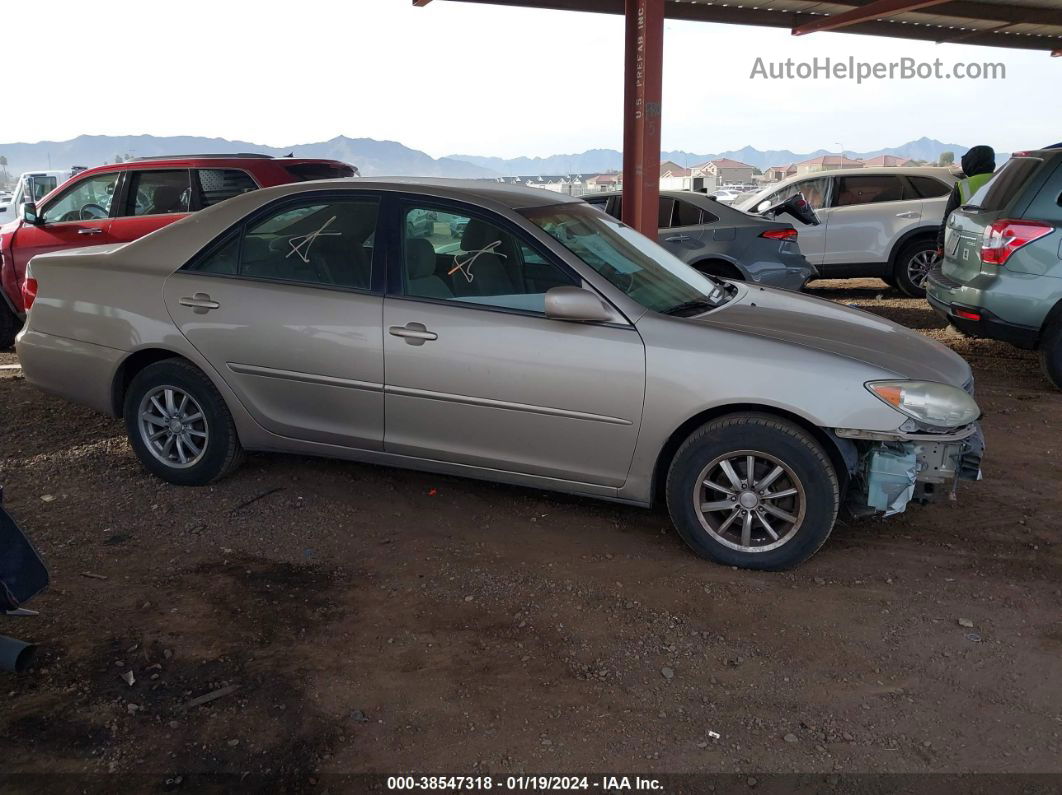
308, 378
504, 404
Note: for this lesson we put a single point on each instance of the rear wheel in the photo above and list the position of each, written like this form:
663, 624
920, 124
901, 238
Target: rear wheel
1051, 353
913, 265
179, 426
754, 491
10, 325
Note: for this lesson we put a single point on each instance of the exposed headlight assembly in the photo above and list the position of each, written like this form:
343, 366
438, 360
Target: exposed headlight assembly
930, 403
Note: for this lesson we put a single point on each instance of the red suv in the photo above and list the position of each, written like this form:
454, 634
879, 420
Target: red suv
125, 201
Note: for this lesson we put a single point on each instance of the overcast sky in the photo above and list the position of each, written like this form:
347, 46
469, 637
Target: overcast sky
473, 79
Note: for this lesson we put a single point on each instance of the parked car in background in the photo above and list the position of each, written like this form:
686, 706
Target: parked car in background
550, 346
726, 195
721, 241
121, 202
1002, 271
874, 221
32, 186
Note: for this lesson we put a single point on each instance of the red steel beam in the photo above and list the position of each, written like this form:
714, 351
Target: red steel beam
643, 90
867, 13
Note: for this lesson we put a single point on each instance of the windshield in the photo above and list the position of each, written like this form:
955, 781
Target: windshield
635, 264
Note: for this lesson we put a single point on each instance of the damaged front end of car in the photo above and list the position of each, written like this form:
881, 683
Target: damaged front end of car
939, 444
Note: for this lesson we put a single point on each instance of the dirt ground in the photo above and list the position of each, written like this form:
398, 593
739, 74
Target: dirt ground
378, 620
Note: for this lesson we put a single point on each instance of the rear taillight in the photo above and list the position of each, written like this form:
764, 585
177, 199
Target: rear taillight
1003, 238
780, 234
966, 314
29, 292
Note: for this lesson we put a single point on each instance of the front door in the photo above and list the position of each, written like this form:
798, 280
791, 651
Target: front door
476, 372
79, 216
284, 310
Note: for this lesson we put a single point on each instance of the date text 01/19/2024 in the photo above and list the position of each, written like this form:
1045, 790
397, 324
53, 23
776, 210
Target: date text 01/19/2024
523, 783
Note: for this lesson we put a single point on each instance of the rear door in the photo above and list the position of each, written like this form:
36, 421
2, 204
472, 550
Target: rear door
287, 309
869, 213
684, 233
149, 200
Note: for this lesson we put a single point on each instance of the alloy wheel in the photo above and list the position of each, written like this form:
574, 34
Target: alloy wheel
920, 264
173, 426
749, 501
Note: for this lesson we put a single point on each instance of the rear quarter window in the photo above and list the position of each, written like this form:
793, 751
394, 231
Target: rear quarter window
218, 184
303, 172
928, 188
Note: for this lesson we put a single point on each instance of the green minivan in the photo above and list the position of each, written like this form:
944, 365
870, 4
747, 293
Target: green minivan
1001, 273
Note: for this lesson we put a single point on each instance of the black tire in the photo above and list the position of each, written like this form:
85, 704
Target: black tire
808, 471
10, 326
889, 280
1051, 353
717, 267
220, 452
909, 272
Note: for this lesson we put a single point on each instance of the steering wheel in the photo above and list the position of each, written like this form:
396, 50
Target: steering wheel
92, 212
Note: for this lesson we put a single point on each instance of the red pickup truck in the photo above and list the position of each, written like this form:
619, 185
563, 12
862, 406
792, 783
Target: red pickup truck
124, 201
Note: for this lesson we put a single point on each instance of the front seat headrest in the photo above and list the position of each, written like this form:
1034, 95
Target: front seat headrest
479, 234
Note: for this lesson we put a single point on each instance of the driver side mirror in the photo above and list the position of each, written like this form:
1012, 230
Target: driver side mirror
575, 303
29, 213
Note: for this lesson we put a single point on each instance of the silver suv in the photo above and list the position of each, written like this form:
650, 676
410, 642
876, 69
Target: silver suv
874, 221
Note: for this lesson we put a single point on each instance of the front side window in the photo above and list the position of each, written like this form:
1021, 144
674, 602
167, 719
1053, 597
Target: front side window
815, 192
158, 193
639, 267
88, 200
218, 184
456, 257
868, 190
326, 243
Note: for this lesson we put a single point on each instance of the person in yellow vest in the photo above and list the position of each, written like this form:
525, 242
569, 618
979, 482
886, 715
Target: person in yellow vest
978, 166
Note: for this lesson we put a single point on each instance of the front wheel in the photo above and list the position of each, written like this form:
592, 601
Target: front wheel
754, 491
10, 325
179, 426
913, 266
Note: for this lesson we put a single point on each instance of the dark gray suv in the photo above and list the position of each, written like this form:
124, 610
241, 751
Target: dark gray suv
721, 241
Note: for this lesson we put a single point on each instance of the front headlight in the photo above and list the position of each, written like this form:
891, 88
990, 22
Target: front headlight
938, 405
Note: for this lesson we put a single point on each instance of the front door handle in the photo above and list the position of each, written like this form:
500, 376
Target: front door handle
908, 214
414, 333
95, 230
201, 303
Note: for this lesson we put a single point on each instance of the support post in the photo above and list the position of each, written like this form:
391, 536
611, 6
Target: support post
643, 79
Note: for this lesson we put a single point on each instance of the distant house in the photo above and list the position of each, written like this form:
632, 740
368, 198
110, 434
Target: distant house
603, 182
674, 177
778, 173
826, 163
725, 171
887, 161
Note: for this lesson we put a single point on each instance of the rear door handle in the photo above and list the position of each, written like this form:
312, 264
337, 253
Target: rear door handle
95, 230
677, 238
413, 333
908, 214
201, 303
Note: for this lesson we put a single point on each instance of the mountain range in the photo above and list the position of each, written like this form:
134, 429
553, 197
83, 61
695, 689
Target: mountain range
375, 158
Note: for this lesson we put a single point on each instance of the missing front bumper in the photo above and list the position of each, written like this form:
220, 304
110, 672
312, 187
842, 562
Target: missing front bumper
913, 467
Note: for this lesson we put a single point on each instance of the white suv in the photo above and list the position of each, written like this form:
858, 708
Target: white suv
874, 221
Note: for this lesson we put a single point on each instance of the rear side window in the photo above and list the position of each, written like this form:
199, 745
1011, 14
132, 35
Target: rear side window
1008, 182
928, 188
303, 172
158, 193
326, 243
868, 190
687, 214
218, 184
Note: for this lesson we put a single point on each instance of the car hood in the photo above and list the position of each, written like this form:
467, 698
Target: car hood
826, 326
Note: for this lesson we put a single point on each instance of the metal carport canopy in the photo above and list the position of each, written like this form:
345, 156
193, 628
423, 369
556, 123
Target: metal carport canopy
1013, 24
